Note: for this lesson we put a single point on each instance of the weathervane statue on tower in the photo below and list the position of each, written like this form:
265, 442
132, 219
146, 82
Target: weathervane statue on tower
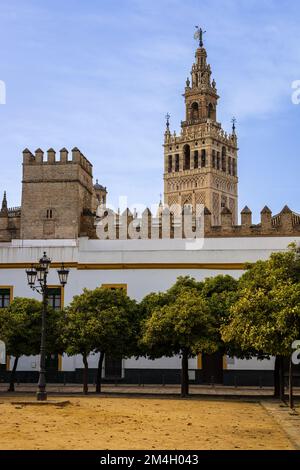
233, 120
168, 120
199, 35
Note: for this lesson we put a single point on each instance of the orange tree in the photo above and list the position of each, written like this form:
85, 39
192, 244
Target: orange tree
20, 329
266, 315
178, 322
100, 321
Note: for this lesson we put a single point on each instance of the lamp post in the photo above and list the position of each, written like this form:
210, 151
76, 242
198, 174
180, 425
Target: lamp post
37, 281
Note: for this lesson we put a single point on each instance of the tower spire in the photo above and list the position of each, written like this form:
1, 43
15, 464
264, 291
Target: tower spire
4, 209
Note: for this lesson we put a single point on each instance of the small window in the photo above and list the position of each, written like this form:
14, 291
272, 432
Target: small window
55, 298
49, 214
4, 297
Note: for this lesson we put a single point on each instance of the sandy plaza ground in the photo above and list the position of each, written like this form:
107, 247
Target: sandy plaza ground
139, 423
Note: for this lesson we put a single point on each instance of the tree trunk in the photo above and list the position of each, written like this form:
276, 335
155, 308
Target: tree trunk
13, 375
85, 374
281, 378
99, 372
291, 396
277, 378
185, 374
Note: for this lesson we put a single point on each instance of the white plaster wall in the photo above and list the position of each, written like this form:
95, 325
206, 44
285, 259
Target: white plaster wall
162, 363
139, 281
252, 364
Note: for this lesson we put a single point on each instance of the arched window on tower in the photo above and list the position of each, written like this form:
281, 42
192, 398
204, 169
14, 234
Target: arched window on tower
196, 159
177, 162
223, 158
195, 111
203, 158
210, 111
170, 164
229, 165
186, 157
234, 167
214, 159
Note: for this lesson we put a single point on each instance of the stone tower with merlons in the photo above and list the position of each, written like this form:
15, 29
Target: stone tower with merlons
201, 162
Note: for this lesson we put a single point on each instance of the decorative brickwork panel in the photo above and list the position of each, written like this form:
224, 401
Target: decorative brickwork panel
187, 199
216, 209
200, 198
232, 206
173, 200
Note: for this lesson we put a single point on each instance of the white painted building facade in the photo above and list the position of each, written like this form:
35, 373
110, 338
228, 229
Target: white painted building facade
142, 266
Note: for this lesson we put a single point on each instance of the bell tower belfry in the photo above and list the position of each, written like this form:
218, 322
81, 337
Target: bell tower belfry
201, 162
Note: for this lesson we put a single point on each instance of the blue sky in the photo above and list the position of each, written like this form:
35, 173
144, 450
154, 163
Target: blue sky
101, 75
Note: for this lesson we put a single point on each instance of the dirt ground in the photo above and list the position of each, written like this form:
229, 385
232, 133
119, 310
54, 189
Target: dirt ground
139, 423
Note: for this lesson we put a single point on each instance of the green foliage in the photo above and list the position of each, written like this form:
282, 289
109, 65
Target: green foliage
20, 327
101, 320
181, 323
266, 315
221, 292
195, 309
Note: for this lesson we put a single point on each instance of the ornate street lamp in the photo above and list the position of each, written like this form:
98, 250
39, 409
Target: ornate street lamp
37, 281
63, 274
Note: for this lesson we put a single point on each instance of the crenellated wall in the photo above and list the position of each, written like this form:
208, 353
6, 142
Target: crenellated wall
164, 225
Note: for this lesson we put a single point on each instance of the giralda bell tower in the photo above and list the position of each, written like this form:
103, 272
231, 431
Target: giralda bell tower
201, 162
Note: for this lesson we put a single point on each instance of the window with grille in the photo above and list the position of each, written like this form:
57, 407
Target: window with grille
49, 214
4, 297
54, 297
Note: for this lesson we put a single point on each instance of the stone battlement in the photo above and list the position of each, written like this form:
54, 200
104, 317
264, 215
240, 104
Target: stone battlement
166, 225
38, 158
